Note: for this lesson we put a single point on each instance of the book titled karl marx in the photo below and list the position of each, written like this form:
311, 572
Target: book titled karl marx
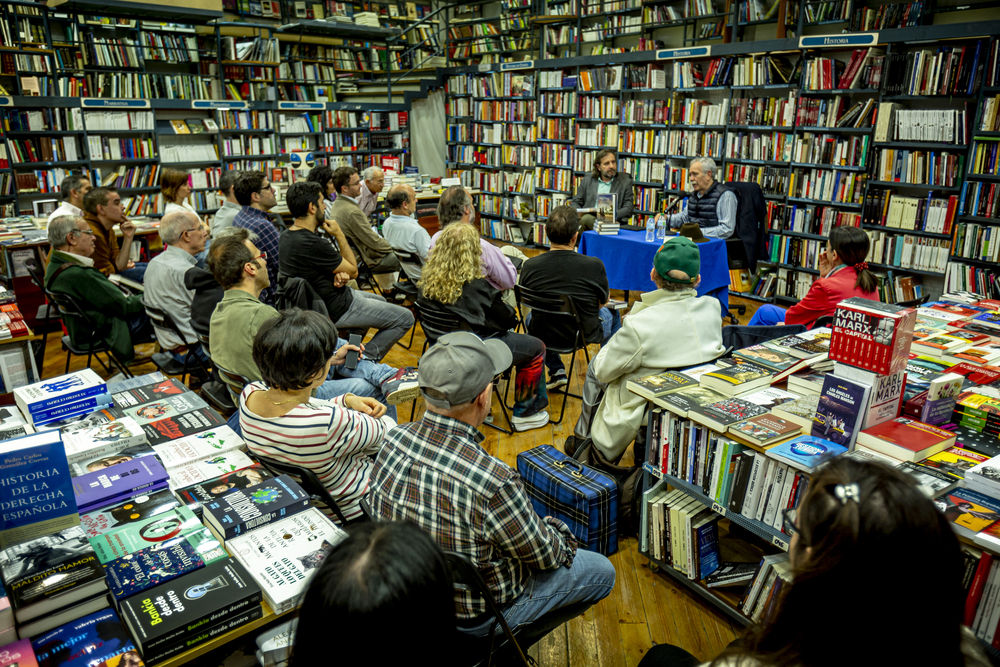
872, 335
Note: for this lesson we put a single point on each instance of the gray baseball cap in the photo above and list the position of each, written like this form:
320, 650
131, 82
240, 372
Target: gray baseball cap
458, 367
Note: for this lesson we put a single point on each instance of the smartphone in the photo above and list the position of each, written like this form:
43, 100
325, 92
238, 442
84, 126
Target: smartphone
351, 361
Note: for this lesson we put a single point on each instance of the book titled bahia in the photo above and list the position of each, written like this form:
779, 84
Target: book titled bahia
119, 481
241, 511
95, 639
151, 566
71, 388
906, 439
805, 452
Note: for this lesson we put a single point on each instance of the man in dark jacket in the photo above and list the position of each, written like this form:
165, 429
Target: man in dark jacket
712, 205
605, 179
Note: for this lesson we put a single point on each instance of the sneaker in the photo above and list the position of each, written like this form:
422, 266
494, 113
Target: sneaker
557, 380
536, 420
401, 387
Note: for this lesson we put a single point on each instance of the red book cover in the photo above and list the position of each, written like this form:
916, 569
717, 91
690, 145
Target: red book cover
949, 218
975, 373
976, 590
11, 310
909, 434
872, 335
992, 304
17, 328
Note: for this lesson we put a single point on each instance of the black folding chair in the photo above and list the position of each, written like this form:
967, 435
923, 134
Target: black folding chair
308, 480
364, 271
229, 379
69, 308
215, 391
561, 308
165, 361
408, 288
48, 312
915, 303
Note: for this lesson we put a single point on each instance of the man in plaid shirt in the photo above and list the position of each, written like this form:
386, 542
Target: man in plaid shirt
435, 473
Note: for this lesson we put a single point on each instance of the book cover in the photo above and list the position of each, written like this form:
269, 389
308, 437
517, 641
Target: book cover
199, 446
189, 423
605, 206
985, 477
36, 491
805, 452
208, 468
136, 396
295, 546
241, 511
885, 399
941, 397
13, 424
654, 386
115, 482
134, 382
740, 374
66, 411
802, 411
770, 397
70, 388
767, 357
682, 401
95, 640
95, 461
180, 127
87, 440
932, 482
841, 410
721, 414
167, 406
18, 654
906, 439
989, 320
968, 511
765, 429
954, 461
177, 522
211, 489
151, 566
142, 506
204, 634
169, 612
872, 335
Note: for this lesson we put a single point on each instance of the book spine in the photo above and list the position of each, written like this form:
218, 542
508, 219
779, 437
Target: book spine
69, 410
194, 638
221, 617
105, 501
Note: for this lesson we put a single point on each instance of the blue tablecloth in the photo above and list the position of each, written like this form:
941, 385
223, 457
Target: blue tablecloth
628, 259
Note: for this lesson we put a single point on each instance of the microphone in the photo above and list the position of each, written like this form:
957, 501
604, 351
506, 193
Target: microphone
677, 200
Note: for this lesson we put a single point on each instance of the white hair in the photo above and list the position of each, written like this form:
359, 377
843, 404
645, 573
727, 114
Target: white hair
369, 173
231, 231
61, 227
174, 224
707, 163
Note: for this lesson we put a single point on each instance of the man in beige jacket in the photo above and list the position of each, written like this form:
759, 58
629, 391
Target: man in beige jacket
346, 210
671, 327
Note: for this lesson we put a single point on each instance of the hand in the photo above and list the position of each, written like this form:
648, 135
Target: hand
341, 278
341, 355
368, 406
130, 265
331, 226
127, 227
825, 266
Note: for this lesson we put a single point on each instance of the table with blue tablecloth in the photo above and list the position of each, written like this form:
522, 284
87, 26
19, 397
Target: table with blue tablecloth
628, 259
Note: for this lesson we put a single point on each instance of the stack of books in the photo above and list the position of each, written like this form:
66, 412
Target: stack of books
73, 395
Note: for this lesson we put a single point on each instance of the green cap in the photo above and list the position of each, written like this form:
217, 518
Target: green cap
678, 254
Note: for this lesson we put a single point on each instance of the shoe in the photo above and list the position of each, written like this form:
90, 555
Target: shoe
557, 380
537, 420
401, 387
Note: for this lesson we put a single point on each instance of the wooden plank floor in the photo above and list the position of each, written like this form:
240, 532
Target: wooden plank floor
644, 608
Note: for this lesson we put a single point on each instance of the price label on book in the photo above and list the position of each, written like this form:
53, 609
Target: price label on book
692, 52
521, 64
6, 101
838, 41
716, 507
96, 103
780, 543
217, 104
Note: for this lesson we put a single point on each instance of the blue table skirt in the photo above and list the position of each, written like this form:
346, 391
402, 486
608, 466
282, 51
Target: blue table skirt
628, 259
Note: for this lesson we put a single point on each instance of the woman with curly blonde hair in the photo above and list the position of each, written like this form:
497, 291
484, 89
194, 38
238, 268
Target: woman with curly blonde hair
453, 281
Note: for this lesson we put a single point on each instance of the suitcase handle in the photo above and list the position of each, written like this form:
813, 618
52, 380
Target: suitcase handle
572, 463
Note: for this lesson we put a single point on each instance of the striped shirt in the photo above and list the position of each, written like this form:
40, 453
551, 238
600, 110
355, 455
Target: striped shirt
335, 442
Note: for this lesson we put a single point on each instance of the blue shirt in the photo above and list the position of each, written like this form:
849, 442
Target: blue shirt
260, 224
405, 233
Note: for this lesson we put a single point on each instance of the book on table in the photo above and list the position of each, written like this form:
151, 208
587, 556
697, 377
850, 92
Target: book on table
661, 384
683, 401
240, 511
932, 482
872, 335
805, 452
766, 356
906, 439
139, 507
802, 411
87, 441
739, 378
765, 429
199, 446
841, 411
968, 511
720, 415
178, 522
118, 481
203, 492
102, 632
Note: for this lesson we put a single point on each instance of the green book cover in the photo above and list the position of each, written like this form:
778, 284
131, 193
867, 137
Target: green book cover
158, 529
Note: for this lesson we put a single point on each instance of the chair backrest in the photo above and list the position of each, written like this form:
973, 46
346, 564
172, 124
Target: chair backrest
553, 305
405, 257
738, 337
203, 339
68, 306
736, 253
232, 378
824, 321
37, 275
913, 303
163, 320
436, 322
308, 480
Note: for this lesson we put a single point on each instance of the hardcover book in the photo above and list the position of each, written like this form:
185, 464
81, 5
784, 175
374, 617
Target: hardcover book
189, 423
805, 452
167, 406
136, 396
906, 439
178, 522
872, 335
152, 566
740, 378
241, 511
208, 468
968, 511
199, 446
721, 414
841, 410
87, 440
48, 394
941, 397
765, 429
98, 489
766, 356
682, 401
211, 489
95, 640
654, 386
131, 510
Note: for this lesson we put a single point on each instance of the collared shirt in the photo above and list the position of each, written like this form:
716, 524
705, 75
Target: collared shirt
368, 199
725, 211
260, 224
405, 233
234, 324
76, 259
604, 187
106, 246
223, 218
164, 289
65, 209
497, 268
435, 473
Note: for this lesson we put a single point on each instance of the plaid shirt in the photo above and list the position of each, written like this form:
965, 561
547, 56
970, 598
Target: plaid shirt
259, 223
435, 473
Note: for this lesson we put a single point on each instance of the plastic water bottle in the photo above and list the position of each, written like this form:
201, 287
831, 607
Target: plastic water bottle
661, 227
650, 229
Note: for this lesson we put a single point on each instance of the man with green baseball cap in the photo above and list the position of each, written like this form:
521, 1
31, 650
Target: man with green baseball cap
670, 327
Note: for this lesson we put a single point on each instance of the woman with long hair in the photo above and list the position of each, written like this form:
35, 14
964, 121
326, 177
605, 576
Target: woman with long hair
843, 273
453, 281
176, 191
876, 580
323, 175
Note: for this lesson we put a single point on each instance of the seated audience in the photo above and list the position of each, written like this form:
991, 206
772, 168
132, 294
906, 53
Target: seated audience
73, 189
402, 230
121, 320
236, 264
855, 514
605, 179
255, 194
583, 279
382, 573
456, 206
323, 175
184, 237
436, 473
453, 281
711, 204
223, 218
207, 290
346, 210
373, 180
102, 211
671, 327
304, 254
280, 419
843, 273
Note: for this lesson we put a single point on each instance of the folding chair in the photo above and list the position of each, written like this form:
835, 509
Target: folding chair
308, 480
364, 271
215, 391
229, 379
47, 313
69, 308
556, 307
407, 287
164, 361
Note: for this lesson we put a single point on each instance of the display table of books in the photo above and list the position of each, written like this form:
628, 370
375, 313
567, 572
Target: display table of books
136, 529
730, 450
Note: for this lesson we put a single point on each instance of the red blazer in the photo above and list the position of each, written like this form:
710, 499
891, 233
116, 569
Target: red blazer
824, 295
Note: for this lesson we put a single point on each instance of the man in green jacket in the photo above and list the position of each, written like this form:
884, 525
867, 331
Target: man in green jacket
120, 319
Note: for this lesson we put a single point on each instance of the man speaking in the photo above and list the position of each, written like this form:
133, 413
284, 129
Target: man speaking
605, 179
711, 205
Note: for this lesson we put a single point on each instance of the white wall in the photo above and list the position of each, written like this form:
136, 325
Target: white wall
428, 140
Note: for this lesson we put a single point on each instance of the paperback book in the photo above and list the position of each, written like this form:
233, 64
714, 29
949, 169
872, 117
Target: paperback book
18, 654
740, 378
208, 468
136, 396
985, 477
683, 401
189, 423
954, 461
178, 522
95, 462
655, 386
87, 441
841, 410
768, 357
906, 439
805, 452
167, 406
239, 512
969, 511
142, 506
941, 397
42, 397
802, 411
152, 566
211, 489
199, 446
932, 482
117, 482
721, 414
101, 633
765, 429
13, 424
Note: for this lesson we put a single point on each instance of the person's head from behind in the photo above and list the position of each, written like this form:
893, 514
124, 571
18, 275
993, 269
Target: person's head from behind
174, 186
323, 175
306, 202
347, 181
72, 234
605, 164
873, 554
455, 205
106, 204
252, 188
402, 199
382, 575
457, 259
456, 375
702, 174
235, 261
74, 188
562, 225
850, 246
226, 183
677, 265
294, 350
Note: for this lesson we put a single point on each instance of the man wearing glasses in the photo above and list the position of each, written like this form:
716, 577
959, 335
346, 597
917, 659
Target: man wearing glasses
255, 194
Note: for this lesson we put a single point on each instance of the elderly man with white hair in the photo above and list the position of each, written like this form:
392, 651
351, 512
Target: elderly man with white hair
711, 205
184, 237
372, 182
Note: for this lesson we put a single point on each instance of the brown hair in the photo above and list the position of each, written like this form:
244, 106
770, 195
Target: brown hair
170, 182
852, 244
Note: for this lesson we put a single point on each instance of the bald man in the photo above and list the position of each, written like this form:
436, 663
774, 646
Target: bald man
402, 230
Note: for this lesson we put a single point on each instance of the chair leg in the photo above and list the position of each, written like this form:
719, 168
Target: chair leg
503, 411
68, 354
562, 411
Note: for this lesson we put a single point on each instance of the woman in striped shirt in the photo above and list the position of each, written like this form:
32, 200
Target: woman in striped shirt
337, 438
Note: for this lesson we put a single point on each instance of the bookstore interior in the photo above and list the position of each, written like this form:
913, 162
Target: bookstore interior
819, 114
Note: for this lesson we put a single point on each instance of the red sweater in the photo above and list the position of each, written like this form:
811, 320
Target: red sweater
824, 295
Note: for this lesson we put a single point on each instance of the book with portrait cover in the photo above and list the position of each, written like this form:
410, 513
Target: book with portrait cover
177, 522
151, 566
137, 508
661, 384
189, 423
93, 462
87, 440
95, 640
167, 406
119, 481
199, 446
208, 468
241, 511
841, 410
765, 429
720, 415
136, 396
210, 489
872, 335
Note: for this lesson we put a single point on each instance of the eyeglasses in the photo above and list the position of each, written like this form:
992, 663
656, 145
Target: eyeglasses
262, 255
84, 231
267, 187
788, 524
354, 183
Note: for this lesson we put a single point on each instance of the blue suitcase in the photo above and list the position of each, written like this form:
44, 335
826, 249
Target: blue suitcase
583, 498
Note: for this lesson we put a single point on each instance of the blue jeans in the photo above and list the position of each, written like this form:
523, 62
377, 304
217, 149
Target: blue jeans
199, 353
611, 322
767, 315
371, 310
136, 273
553, 597
365, 380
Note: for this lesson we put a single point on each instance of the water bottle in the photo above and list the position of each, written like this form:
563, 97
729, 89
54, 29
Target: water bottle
661, 227
650, 229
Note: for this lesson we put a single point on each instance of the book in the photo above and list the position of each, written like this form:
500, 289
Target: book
954, 461
42, 397
906, 439
195, 125
119, 481
151, 566
740, 378
136, 396
177, 522
886, 397
932, 482
137, 508
36, 491
941, 398
661, 384
985, 477
980, 355
606, 209
872, 335
208, 468
199, 446
295, 545
167, 406
210, 125
203, 492
189, 423
841, 410
97, 462
968, 511
765, 429
801, 411
51, 572
240, 511
731, 574
682, 401
18, 654
13, 424
768, 357
720, 415
805, 452
101, 633
63, 616
86, 441
168, 614
804, 345
770, 397
180, 127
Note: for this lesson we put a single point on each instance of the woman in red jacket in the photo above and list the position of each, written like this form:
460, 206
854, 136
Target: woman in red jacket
843, 273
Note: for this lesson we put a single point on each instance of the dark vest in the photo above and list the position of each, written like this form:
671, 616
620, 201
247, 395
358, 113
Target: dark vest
703, 209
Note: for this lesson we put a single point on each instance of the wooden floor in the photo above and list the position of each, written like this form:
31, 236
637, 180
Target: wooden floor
644, 608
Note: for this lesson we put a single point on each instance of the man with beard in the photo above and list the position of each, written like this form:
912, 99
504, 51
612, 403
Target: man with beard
605, 179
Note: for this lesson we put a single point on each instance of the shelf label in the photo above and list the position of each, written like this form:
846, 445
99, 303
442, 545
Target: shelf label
485, 67
6, 101
302, 106
217, 104
691, 52
780, 543
716, 507
97, 103
340, 106
523, 64
837, 41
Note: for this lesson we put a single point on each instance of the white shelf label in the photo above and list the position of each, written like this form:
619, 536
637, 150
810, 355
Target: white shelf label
780, 543
97, 103
838, 41
521, 64
716, 507
302, 106
217, 104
